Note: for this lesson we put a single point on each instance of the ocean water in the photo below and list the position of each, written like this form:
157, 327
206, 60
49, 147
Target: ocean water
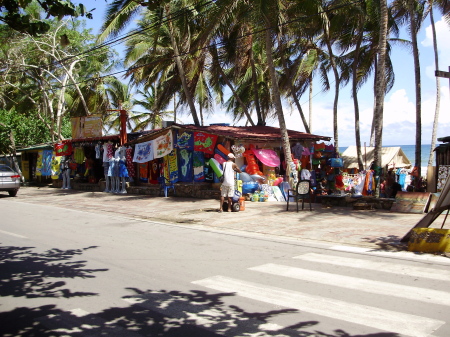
409, 151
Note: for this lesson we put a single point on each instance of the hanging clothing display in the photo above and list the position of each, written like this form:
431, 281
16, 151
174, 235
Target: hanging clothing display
130, 165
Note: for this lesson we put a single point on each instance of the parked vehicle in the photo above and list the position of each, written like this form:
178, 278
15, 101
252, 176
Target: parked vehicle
9, 180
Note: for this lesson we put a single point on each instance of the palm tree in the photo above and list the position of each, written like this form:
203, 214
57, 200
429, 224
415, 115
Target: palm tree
151, 117
444, 7
381, 84
163, 17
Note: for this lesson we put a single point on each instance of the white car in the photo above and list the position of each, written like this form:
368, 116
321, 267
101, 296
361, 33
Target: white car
9, 180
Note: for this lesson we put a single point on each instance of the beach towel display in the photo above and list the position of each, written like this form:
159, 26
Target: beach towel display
130, 165
185, 165
209, 173
143, 152
204, 142
173, 165
143, 172
39, 163
163, 145
63, 149
185, 141
154, 171
56, 163
198, 162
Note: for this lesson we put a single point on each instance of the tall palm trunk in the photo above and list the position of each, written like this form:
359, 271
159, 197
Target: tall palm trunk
180, 69
380, 85
413, 24
438, 90
277, 101
261, 120
326, 27
355, 97
310, 101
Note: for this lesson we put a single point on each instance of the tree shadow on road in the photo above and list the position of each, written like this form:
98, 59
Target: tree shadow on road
163, 313
30, 274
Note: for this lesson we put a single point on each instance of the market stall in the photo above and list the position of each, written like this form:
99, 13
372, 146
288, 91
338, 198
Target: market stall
193, 155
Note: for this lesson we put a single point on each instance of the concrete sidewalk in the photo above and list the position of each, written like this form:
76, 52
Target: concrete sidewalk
377, 229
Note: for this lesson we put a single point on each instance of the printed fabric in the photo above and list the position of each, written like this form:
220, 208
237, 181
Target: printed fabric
185, 141
143, 152
204, 142
63, 149
130, 165
163, 145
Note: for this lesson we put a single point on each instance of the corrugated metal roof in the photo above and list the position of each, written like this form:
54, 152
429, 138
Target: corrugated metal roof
92, 139
241, 133
36, 147
389, 156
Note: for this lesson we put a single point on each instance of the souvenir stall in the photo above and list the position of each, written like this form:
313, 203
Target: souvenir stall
81, 161
192, 157
36, 163
396, 167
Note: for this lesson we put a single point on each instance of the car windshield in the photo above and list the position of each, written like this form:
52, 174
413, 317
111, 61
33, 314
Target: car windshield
4, 168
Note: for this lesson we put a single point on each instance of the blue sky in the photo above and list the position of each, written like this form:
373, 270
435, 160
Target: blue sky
399, 108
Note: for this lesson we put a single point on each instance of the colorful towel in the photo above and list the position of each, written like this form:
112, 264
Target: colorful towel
143, 152
185, 141
185, 165
163, 145
204, 142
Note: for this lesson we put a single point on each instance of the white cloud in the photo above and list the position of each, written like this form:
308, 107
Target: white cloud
443, 36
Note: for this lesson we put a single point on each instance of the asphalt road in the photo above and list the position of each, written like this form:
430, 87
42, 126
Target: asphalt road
81, 273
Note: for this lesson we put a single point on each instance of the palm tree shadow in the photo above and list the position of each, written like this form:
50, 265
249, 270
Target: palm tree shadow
24, 273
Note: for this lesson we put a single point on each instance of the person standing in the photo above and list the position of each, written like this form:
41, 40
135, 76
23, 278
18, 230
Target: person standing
227, 187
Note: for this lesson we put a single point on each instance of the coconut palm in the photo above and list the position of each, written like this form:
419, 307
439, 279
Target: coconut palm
174, 17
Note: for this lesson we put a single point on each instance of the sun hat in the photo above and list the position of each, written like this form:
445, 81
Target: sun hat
231, 156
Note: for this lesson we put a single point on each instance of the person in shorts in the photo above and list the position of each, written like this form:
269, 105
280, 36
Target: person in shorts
227, 187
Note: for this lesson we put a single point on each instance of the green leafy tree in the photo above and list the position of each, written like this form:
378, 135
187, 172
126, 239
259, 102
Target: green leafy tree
14, 14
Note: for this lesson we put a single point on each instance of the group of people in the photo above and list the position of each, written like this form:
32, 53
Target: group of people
388, 186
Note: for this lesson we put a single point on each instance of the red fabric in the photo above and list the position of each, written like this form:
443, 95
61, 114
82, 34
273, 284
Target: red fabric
63, 149
204, 142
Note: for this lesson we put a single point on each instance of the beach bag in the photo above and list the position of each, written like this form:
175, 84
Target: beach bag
336, 162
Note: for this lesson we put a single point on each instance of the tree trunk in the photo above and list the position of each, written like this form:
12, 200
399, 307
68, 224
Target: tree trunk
310, 101
355, 98
438, 90
187, 93
337, 82
278, 106
261, 120
413, 23
380, 86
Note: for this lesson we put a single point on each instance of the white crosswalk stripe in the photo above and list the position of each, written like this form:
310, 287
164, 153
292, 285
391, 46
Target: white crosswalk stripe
382, 319
385, 267
377, 316
400, 254
348, 282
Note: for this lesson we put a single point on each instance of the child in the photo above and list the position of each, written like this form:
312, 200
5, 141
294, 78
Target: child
323, 187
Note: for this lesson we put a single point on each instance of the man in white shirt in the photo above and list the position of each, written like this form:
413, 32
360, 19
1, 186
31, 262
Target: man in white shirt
227, 187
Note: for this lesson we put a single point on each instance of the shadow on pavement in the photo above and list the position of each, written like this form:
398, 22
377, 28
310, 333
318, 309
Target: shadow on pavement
26, 273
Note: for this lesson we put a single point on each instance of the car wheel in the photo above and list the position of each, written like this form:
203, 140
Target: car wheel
12, 193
